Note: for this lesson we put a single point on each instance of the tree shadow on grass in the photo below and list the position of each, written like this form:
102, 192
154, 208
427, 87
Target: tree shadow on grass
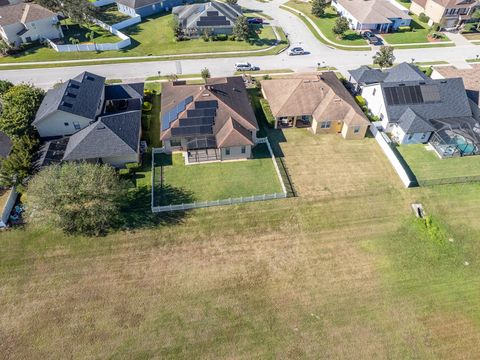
135, 209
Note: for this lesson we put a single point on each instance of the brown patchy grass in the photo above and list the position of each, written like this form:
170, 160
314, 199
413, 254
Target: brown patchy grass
338, 274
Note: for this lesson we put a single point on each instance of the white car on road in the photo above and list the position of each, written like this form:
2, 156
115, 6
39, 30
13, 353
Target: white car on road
296, 51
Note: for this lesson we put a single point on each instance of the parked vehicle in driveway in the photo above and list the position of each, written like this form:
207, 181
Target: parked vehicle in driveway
255, 20
372, 38
245, 66
296, 51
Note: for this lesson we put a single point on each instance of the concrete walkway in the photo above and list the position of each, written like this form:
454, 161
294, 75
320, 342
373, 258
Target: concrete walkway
458, 39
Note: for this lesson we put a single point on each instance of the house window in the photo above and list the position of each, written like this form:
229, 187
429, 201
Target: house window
66, 123
244, 149
76, 125
356, 129
325, 125
175, 142
227, 151
410, 136
424, 135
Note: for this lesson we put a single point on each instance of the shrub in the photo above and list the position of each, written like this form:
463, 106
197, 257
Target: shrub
232, 38
268, 113
404, 28
134, 166
361, 101
435, 27
124, 172
146, 122
221, 37
423, 18
147, 106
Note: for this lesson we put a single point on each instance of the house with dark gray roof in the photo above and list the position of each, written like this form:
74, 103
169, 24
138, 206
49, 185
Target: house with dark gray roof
105, 119
417, 109
146, 7
27, 22
214, 121
213, 17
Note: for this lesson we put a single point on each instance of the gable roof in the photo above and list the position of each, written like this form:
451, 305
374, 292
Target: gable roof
137, 4
404, 72
366, 75
374, 11
471, 79
23, 13
79, 96
111, 135
411, 123
124, 91
448, 3
233, 134
228, 97
6, 145
322, 96
401, 72
210, 14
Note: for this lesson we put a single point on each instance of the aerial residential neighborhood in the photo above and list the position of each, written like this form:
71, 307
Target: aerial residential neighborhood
237, 179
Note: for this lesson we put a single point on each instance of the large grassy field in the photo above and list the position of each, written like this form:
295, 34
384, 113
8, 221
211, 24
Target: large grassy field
344, 271
426, 165
326, 24
215, 181
154, 36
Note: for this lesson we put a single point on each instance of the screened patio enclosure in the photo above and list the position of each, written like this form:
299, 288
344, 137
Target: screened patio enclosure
456, 137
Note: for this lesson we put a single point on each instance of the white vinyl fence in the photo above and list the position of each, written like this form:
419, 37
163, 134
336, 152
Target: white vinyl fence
126, 23
384, 142
7, 209
124, 41
100, 3
231, 201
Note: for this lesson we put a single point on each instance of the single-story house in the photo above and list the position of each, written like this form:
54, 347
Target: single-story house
6, 145
213, 17
449, 13
417, 109
145, 8
27, 22
86, 119
318, 102
208, 122
376, 15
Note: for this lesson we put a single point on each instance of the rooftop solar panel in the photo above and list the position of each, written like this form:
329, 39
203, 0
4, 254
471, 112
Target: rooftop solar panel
195, 121
201, 112
172, 115
207, 104
403, 95
192, 130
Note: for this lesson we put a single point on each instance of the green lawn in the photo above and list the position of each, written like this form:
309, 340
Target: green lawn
419, 34
405, 3
344, 271
154, 36
326, 24
79, 32
426, 165
110, 15
215, 181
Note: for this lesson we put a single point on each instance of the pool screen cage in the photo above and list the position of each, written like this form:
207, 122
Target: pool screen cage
456, 137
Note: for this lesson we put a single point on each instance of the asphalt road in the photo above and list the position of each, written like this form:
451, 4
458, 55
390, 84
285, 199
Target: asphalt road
297, 32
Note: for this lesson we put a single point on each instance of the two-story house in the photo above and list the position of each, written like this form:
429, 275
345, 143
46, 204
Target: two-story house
27, 22
448, 13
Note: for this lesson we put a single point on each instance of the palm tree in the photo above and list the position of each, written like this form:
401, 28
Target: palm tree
90, 36
74, 41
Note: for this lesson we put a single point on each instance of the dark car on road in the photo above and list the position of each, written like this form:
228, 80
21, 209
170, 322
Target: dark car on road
372, 38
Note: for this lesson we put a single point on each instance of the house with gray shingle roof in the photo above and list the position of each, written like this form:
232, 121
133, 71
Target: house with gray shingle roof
27, 22
146, 7
417, 109
86, 120
213, 17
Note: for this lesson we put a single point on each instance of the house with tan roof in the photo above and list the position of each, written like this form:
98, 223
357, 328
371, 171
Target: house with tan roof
376, 15
449, 13
318, 102
208, 122
28, 22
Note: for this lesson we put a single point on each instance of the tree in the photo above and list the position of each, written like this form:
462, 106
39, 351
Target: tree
17, 167
476, 16
4, 87
76, 197
241, 29
341, 26
318, 7
177, 29
20, 105
231, 2
384, 57
205, 73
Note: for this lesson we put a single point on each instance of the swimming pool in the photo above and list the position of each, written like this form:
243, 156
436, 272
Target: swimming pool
464, 146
